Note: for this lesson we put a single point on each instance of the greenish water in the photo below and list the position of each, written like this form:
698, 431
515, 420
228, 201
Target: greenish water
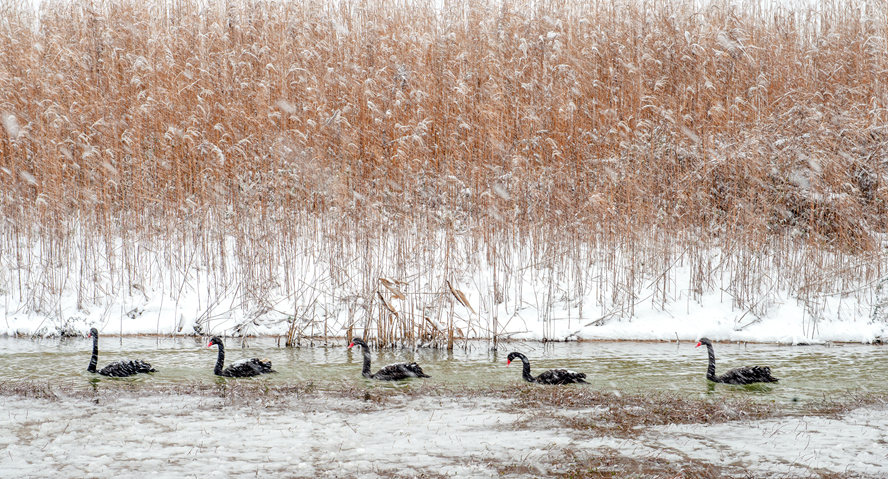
805, 372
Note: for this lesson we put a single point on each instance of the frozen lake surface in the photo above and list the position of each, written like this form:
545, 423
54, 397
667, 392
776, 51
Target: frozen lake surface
98, 427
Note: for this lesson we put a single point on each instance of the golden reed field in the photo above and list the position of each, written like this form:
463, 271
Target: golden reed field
655, 130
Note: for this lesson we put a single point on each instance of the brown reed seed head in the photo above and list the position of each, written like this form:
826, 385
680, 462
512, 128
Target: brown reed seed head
558, 122
568, 112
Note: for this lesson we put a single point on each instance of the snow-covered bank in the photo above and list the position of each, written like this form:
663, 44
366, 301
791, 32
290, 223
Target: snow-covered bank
203, 438
322, 289
459, 437
855, 444
786, 323
711, 318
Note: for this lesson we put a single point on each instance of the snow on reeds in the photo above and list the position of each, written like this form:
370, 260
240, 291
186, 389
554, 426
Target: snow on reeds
278, 158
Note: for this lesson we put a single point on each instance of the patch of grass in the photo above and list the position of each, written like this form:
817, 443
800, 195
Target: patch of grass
231, 392
840, 404
625, 414
615, 412
608, 463
28, 389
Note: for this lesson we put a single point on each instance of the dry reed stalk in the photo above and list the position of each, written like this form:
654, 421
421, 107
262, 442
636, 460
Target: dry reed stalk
191, 144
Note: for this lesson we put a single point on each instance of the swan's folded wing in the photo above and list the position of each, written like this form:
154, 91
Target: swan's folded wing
748, 375
394, 372
121, 369
248, 367
561, 376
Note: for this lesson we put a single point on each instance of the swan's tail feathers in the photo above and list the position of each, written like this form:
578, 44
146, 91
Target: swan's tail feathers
144, 367
265, 365
415, 369
763, 373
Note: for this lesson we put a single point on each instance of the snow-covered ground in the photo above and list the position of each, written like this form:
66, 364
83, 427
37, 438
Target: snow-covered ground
202, 306
854, 444
459, 437
712, 318
137, 292
193, 437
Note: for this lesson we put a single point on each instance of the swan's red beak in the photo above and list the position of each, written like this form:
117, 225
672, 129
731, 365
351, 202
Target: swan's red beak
698, 345
351, 345
508, 362
209, 344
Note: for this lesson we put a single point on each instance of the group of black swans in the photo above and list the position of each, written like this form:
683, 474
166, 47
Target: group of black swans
395, 372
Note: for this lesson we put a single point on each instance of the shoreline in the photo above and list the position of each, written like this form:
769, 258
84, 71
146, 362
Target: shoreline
570, 397
876, 341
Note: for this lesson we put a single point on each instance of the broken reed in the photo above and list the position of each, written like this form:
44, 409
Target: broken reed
636, 135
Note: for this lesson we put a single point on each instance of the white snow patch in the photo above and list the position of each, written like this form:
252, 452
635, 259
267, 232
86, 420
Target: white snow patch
854, 444
532, 303
178, 438
10, 124
452, 436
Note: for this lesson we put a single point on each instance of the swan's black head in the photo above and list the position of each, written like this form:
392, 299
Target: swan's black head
216, 340
93, 333
512, 357
703, 341
357, 342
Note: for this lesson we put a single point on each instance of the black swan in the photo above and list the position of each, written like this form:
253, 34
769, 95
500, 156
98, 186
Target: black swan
120, 369
241, 369
552, 376
392, 372
744, 375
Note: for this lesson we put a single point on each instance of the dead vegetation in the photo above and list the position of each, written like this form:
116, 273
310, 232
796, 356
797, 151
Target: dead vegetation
619, 414
608, 463
29, 389
154, 148
612, 411
839, 404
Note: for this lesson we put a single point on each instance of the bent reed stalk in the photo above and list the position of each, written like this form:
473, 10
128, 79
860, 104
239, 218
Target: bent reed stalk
234, 147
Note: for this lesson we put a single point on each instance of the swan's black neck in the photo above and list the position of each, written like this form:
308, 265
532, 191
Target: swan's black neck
95, 356
365, 371
525, 369
710, 371
220, 361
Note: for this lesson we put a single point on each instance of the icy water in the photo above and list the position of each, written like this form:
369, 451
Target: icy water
114, 431
805, 372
